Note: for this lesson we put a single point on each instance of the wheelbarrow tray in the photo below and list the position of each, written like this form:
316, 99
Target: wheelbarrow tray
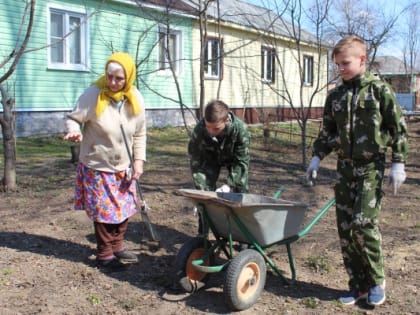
268, 220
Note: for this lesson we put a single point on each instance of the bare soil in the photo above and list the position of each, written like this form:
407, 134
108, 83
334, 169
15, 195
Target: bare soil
47, 249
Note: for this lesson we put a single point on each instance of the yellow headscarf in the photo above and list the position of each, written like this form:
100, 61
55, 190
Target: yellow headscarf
106, 94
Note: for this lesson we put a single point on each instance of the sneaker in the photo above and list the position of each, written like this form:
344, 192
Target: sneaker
376, 295
112, 264
351, 297
126, 256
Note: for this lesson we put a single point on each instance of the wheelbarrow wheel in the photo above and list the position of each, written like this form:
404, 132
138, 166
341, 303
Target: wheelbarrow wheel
188, 277
245, 280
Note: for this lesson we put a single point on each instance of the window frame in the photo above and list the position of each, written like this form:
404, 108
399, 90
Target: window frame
308, 70
268, 54
177, 60
83, 41
208, 58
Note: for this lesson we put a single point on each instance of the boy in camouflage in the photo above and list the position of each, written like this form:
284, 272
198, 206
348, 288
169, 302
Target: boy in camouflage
361, 118
220, 139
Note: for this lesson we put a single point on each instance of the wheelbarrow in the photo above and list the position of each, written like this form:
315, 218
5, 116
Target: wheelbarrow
256, 221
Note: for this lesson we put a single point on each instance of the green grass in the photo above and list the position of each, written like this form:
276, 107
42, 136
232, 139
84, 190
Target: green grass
168, 145
318, 263
290, 132
94, 299
164, 145
36, 149
39, 147
310, 302
7, 271
43, 162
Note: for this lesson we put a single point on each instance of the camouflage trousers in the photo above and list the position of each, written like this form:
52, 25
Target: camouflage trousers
358, 195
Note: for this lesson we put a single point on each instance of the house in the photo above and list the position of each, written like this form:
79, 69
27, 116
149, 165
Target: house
254, 64
250, 60
68, 48
406, 83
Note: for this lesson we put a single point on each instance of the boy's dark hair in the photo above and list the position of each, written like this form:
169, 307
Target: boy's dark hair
216, 111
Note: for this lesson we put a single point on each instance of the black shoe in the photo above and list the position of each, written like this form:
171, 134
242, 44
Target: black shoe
126, 256
112, 264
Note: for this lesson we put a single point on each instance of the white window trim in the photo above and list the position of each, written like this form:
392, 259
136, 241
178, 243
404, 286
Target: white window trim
208, 74
85, 66
266, 57
178, 50
306, 69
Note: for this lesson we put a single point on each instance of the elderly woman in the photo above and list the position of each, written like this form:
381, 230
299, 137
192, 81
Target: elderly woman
105, 186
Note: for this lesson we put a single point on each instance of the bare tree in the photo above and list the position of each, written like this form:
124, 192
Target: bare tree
203, 22
411, 47
199, 9
366, 19
166, 43
300, 42
7, 120
165, 21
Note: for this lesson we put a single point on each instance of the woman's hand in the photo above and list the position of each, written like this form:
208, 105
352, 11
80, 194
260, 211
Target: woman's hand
138, 169
73, 136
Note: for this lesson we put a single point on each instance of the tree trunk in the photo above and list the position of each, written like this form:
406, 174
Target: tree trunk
304, 141
8, 124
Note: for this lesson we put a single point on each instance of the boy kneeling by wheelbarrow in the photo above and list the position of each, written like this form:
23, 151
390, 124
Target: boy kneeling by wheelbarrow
220, 139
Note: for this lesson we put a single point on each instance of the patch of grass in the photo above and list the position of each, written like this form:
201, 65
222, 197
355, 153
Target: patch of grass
390, 298
128, 305
337, 304
94, 299
54, 179
290, 132
167, 145
168, 140
310, 302
6, 271
31, 151
5, 282
404, 216
318, 263
44, 161
39, 147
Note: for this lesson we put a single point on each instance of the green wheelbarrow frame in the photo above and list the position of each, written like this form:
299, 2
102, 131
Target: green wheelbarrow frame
225, 243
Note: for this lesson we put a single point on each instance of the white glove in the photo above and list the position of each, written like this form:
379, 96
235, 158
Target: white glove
224, 188
313, 167
397, 176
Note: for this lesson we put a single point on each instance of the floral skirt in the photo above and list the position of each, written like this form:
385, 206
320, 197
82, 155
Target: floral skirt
106, 197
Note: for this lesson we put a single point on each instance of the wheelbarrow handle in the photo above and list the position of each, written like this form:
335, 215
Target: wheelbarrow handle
320, 214
279, 192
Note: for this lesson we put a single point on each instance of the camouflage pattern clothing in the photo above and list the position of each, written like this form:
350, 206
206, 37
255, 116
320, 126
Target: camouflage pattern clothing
361, 119
208, 155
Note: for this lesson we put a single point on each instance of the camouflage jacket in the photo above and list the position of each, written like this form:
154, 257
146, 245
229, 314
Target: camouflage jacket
232, 151
362, 118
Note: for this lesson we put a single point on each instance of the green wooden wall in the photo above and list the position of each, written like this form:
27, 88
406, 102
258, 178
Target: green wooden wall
113, 26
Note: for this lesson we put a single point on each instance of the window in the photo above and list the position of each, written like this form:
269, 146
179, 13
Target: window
268, 57
169, 49
67, 39
213, 58
308, 70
